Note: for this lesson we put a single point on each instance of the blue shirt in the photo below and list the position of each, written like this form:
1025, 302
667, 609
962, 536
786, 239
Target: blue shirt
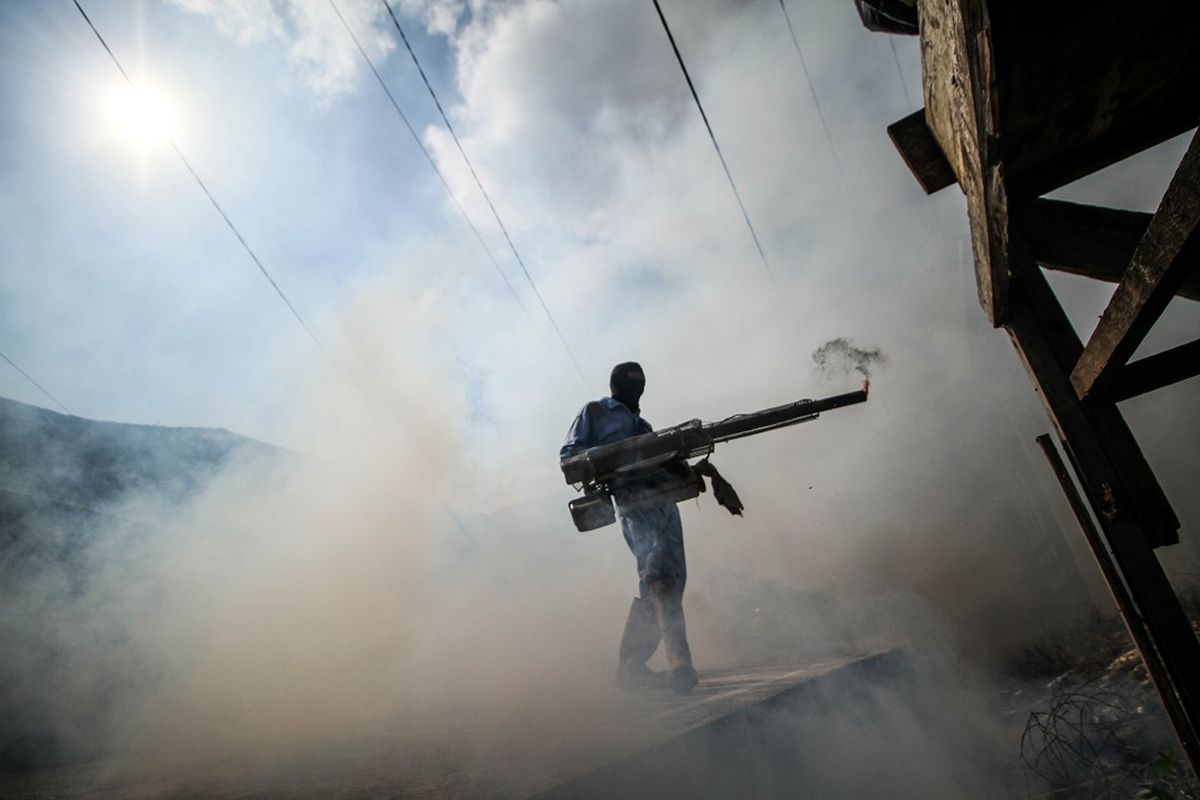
602, 422
654, 534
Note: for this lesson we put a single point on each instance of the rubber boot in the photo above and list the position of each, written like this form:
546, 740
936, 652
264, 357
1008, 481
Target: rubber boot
668, 604
638, 643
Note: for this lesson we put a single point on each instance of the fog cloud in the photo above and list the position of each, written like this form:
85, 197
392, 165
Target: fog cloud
417, 571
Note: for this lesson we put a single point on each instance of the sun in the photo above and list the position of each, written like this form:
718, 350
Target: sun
142, 117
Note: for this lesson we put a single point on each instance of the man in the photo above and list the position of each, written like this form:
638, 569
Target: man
654, 535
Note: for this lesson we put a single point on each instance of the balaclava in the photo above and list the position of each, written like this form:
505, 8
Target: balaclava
627, 383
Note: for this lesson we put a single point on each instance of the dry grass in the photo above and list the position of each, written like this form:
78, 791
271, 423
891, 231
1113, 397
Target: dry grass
1095, 726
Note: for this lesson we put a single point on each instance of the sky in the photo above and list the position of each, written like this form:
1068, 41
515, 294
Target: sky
442, 384
128, 298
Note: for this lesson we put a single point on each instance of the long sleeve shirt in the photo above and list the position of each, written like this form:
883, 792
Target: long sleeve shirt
602, 422
654, 533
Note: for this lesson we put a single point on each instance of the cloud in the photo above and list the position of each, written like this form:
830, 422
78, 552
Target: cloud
325, 59
439, 16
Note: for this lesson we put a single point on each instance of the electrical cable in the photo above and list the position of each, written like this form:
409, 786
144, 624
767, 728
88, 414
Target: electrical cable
940, 223
478, 182
837, 162
442, 178
687, 76
899, 71
433, 164
40, 388
213, 200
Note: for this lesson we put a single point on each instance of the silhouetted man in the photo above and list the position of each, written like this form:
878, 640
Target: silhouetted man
654, 535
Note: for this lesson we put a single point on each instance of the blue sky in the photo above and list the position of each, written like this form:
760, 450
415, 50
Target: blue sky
125, 294
128, 298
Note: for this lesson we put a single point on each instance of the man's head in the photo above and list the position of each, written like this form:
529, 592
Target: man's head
627, 383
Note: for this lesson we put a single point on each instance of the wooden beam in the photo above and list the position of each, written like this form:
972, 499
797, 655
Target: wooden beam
1082, 91
1086, 527
1142, 637
1087, 240
1156, 371
1141, 489
921, 152
1042, 335
1091, 241
1104, 151
962, 109
1163, 259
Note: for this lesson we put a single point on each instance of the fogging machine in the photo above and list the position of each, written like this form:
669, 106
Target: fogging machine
651, 469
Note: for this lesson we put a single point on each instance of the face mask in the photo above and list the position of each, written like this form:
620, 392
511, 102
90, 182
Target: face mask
627, 383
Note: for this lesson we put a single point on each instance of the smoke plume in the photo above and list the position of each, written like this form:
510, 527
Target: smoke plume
841, 357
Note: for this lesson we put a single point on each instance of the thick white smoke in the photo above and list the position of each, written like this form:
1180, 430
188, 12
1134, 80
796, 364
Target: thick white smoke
414, 570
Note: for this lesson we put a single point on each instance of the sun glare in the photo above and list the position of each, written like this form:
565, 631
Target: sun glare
140, 117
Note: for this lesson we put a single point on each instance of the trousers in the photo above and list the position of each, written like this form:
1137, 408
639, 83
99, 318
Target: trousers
655, 537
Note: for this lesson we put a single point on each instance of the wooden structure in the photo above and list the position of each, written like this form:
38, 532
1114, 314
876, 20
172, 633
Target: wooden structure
1022, 98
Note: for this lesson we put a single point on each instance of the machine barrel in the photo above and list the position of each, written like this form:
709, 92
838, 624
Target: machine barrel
693, 439
740, 425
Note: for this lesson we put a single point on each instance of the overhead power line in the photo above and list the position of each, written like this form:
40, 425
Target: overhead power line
896, 58
479, 183
229, 222
40, 388
441, 177
713, 137
933, 206
428, 157
837, 162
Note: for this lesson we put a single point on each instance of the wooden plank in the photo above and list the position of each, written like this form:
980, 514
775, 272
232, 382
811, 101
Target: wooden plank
1141, 489
921, 152
1042, 335
1134, 623
1085, 90
1078, 91
1090, 532
446, 751
1163, 259
1090, 241
1156, 371
753, 751
943, 67
1052, 172
962, 110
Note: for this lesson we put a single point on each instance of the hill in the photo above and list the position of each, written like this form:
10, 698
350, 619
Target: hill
66, 459
64, 486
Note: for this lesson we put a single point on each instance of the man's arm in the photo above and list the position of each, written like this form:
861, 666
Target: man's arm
580, 435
